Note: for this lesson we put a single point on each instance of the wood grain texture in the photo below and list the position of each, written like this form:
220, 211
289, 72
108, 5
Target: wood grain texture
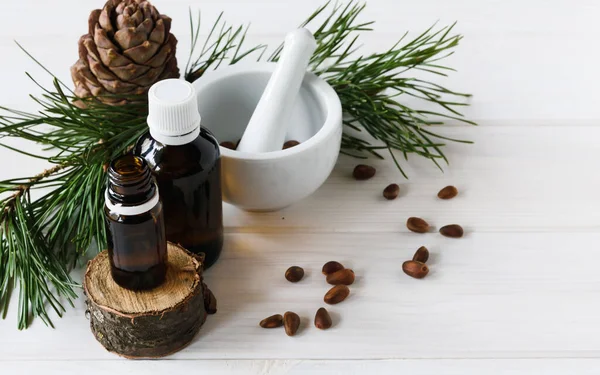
488, 295
509, 298
147, 324
508, 59
513, 179
180, 282
313, 367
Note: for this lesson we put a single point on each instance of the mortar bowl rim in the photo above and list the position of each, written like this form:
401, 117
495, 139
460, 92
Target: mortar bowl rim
325, 94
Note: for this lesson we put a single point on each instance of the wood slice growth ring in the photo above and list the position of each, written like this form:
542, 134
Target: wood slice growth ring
153, 323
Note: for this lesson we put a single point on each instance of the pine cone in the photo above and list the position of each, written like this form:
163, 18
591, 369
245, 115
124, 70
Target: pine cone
128, 48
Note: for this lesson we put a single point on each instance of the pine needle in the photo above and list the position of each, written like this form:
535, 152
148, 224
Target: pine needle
41, 240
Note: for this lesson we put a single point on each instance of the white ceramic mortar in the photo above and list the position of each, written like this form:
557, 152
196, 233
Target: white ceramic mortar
273, 180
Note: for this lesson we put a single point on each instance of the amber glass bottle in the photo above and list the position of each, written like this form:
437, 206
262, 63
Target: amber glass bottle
137, 246
185, 160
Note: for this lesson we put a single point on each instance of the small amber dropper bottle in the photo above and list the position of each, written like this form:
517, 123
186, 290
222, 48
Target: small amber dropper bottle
137, 245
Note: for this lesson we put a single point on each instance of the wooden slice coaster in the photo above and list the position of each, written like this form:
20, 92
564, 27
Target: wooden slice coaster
153, 323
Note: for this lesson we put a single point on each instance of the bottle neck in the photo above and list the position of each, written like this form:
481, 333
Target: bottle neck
175, 140
130, 186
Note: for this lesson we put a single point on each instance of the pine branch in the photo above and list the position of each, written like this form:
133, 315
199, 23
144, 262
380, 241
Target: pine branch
42, 239
24, 188
216, 48
371, 88
25, 259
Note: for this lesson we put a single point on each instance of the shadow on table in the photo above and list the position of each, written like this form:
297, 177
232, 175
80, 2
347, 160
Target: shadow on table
230, 279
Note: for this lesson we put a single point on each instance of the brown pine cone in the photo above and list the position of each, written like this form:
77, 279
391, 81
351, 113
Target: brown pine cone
128, 48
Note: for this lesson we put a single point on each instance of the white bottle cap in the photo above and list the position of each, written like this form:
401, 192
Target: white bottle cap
173, 115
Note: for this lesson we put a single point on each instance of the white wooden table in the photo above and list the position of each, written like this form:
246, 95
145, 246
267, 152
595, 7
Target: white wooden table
518, 294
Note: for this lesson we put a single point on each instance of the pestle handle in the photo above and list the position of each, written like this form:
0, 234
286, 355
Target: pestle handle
269, 123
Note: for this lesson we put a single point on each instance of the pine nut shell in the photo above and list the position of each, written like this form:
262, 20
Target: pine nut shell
272, 321
341, 277
323, 319
448, 192
336, 294
417, 225
421, 255
291, 323
452, 231
415, 269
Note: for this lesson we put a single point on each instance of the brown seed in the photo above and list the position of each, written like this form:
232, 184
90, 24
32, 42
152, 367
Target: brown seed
391, 192
331, 267
363, 172
421, 255
452, 230
417, 225
291, 323
212, 303
448, 192
415, 269
290, 144
322, 319
228, 144
336, 294
294, 274
345, 277
273, 321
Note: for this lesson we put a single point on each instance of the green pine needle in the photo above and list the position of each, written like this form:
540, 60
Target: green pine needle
41, 240
372, 87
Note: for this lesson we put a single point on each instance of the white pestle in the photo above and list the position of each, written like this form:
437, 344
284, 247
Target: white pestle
269, 123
